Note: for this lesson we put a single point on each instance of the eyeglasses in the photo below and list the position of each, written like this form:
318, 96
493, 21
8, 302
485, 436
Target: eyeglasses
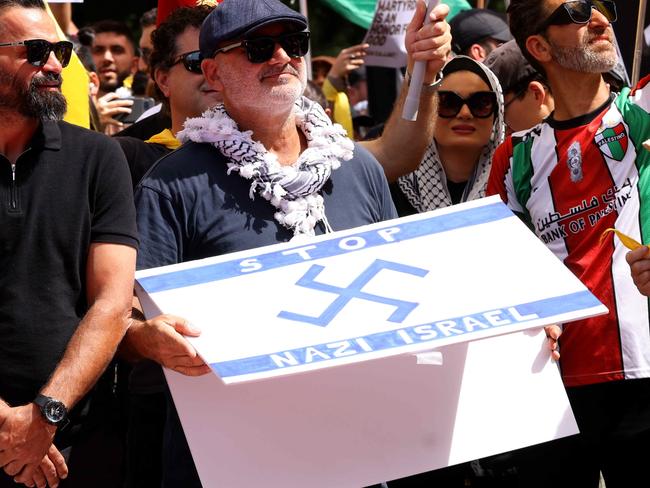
517, 96
579, 12
38, 51
481, 104
191, 61
261, 49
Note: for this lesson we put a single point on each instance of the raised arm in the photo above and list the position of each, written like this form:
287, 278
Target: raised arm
402, 145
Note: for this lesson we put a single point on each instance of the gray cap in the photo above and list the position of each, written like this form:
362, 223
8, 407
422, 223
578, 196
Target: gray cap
510, 66
233, 19
472, 26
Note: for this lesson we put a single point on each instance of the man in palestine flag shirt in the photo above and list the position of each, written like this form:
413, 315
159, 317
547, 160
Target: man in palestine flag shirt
581, 171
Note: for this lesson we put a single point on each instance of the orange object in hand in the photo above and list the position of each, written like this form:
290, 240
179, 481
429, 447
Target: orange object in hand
626, 240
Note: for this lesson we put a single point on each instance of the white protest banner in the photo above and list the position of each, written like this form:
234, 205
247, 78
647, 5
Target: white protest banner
378, 292
370, 292
387, 31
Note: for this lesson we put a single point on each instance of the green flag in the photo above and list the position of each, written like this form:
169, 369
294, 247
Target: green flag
361, 12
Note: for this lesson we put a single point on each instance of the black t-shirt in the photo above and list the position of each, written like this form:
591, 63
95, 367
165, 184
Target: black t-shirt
456, 191
71, 188
405, 208
140, 155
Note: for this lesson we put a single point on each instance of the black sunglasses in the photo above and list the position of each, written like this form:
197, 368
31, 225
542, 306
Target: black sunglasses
191, 61
38, 51
579, 12
481, 104
261, 49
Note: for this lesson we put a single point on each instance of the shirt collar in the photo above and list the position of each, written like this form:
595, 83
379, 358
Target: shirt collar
47, 136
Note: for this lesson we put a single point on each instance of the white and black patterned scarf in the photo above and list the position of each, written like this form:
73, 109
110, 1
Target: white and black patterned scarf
293, 190
426, 187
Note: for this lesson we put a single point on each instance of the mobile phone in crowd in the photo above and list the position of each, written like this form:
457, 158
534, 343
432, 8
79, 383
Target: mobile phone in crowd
140, 105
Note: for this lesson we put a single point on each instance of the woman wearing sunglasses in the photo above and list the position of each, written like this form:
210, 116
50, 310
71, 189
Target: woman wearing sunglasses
469, 128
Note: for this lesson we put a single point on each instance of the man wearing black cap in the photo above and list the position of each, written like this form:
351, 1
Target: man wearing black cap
266, 166
526, 94
477, 32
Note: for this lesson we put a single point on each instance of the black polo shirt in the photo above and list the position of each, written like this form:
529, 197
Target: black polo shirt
69, 189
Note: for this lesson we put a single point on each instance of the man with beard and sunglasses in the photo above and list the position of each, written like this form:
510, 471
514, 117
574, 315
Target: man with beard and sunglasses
68, 245
176, 68
179, 83
580, 172
211, 196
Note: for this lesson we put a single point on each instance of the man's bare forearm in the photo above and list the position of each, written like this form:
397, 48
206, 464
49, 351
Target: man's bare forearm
89, 351
110, 274
402, 145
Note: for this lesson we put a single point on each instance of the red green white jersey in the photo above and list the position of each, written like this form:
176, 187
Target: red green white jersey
570, 181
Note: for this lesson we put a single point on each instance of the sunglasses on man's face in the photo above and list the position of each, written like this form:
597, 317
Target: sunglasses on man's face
579, 12
38, 51
481, 104
261, 49
191, 61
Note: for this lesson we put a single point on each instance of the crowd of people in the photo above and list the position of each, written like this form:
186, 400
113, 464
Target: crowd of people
209, 139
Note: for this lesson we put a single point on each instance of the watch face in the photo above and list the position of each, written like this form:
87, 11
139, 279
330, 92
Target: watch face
54, 411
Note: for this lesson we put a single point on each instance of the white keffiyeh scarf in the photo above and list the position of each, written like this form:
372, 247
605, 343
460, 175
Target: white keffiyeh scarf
293, 190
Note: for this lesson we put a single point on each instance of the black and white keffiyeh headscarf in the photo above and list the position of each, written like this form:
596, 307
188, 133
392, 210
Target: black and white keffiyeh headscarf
293, 190
426, 187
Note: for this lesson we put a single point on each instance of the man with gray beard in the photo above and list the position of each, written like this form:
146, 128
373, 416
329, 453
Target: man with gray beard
68, 246
265, 166
579, 173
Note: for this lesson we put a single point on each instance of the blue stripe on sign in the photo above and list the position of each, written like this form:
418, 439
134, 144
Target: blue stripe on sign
325, 249
429, 332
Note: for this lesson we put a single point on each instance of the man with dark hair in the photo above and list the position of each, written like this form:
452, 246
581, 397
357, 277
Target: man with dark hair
176, 68
114, 53
526, 94
477, 32
180, 82
68, 255
582, 171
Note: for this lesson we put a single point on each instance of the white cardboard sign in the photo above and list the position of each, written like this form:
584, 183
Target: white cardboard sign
387, 31
380, 293
406, 285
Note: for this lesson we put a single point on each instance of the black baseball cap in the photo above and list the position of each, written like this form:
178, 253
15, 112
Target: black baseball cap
510, 66
235, 19
473, 25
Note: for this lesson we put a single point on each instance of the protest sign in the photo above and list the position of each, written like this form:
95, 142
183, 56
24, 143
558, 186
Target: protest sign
386, 33
367, 299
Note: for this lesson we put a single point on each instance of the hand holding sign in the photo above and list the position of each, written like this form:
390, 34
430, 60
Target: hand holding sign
162, 340
428, 44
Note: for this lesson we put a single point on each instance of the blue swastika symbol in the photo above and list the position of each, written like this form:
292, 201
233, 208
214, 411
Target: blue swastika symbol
403, 308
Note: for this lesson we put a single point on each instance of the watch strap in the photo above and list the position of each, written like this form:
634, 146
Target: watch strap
429, 88
42, 401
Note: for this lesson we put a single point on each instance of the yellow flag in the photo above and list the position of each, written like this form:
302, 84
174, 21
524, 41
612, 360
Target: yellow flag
75, 87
